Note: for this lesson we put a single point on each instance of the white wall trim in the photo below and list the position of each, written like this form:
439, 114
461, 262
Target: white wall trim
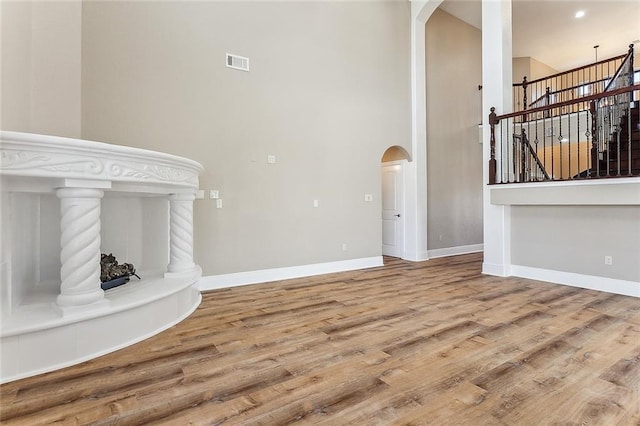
609, 285
213, 282
416, 256
596, 192
454, 251
415, 173
497, 67
495, 269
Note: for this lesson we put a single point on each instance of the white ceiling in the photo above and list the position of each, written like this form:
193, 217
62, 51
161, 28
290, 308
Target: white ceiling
548, 31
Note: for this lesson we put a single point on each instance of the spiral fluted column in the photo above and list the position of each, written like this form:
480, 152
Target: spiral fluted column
181, 233
80, 246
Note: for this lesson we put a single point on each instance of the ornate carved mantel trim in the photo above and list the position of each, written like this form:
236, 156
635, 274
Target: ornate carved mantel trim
25, 154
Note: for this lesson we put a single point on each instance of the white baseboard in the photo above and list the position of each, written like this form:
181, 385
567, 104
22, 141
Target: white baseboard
415, 256
453, 251
213, 282
495, 269
609, 285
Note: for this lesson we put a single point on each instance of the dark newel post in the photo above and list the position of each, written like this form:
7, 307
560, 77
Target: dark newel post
594, 137
523, 156
493, 120
548, 97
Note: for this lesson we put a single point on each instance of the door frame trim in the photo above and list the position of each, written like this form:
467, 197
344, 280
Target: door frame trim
403, 202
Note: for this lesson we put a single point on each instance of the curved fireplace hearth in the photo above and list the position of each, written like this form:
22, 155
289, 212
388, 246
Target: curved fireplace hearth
63, 201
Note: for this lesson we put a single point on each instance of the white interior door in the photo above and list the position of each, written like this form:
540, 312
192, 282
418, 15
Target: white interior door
392, 217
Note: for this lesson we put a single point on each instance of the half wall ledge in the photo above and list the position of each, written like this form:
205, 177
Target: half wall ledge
63, 202
597, 192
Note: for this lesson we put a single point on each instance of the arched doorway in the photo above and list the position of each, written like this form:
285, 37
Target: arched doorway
392, 174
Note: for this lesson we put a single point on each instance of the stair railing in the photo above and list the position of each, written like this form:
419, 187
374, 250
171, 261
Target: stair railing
578, 131
578, 82
530, 168
610, 114
562, 142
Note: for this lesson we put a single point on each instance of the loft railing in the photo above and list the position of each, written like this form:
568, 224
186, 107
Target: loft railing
599, 138
588, 135
569, 85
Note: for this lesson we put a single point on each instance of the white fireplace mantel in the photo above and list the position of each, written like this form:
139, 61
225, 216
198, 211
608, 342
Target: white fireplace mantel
63, 202
57, 159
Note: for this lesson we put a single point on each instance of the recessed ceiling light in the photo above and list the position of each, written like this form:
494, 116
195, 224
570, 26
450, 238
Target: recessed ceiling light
579, 14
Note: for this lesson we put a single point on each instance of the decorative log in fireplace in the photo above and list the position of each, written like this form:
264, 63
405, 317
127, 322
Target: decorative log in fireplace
112, 274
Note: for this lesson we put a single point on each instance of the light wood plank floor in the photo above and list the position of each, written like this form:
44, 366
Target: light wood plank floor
409, 343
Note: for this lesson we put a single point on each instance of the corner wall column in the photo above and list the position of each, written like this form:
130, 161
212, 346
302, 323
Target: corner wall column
181, 233
497, 92
416, 220
80, 246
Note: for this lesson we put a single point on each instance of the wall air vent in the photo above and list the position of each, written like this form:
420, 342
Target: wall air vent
237, 62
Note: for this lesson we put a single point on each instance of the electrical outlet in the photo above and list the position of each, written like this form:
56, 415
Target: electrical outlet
214, 194
368, 198
200, 194
608, 260
271, 159
219, 203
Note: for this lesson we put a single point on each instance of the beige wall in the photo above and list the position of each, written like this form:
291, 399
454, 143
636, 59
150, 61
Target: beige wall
328, 92
521, 67
540, 70
555, 159
531, 68
576, 238
40, 81
395, 153
454, 156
